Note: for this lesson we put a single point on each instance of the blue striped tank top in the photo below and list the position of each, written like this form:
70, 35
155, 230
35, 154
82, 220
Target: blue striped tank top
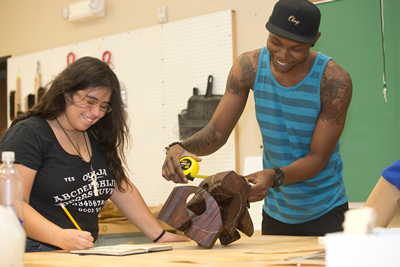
287, 117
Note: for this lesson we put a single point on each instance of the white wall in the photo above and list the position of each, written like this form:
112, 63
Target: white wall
158, 69
30, 26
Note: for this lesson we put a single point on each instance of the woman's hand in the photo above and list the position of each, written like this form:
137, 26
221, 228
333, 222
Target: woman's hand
70, 239
170, 237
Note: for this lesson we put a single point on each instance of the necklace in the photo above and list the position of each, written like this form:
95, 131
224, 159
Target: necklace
93, 176
77, 142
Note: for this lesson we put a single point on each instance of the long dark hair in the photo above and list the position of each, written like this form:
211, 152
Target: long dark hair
111, 131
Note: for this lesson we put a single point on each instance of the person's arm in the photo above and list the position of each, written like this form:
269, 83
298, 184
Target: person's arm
39, 228
216, 133
132, 205
336, 92
383, 199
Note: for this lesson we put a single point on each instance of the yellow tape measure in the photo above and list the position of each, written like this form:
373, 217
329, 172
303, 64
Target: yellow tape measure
190, 168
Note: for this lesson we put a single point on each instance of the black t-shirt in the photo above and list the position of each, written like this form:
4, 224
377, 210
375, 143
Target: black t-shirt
60, 177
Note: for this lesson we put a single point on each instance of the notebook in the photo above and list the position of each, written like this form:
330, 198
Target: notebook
123, 249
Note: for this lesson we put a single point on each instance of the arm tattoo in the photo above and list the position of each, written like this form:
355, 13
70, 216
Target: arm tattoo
336, 91
233, 83
248, 65
248, 72
256, 59
201, 140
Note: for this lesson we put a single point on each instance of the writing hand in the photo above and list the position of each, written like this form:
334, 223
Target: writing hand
70, 239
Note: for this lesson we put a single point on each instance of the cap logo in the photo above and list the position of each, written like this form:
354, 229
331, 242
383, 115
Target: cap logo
293, 19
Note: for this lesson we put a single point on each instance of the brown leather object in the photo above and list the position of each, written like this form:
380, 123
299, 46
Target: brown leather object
203, 228
222, 196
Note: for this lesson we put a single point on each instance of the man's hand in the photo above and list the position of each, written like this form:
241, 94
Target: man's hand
261, 181
171, 169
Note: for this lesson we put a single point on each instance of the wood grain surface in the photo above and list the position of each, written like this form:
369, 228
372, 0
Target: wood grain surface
248, 251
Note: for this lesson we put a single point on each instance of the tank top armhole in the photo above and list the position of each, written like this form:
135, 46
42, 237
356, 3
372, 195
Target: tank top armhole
260, 60
323, 66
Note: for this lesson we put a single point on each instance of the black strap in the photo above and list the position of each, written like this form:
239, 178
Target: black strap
172, 144
158, 238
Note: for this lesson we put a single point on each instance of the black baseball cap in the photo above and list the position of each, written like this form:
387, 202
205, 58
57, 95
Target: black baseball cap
297, 20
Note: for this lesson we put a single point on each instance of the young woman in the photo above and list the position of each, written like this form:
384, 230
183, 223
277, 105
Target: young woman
69, 149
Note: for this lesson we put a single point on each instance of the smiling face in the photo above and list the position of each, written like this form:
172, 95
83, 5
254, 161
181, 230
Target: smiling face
286, 54
78, 115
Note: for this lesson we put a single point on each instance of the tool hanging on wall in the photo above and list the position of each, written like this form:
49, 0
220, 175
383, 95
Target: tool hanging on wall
383, 51
124, 95
39, 90
29, 101
199, 112
17, 96
107, 55
12, 104
70, 58
32, 99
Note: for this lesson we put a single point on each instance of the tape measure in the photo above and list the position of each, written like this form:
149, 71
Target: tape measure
190, 168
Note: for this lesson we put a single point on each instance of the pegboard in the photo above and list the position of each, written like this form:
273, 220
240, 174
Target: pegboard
158, 66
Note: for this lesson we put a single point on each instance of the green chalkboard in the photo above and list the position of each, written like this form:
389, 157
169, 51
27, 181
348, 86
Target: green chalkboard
351, 35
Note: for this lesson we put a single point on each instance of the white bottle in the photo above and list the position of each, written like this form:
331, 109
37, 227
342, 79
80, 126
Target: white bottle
11, 184
12, 234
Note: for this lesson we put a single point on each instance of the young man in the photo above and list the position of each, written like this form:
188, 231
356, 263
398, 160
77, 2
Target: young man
301, 101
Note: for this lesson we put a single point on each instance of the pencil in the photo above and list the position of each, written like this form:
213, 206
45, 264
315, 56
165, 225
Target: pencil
69, 215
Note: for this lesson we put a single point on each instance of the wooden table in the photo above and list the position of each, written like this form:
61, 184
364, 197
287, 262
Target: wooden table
257, 250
